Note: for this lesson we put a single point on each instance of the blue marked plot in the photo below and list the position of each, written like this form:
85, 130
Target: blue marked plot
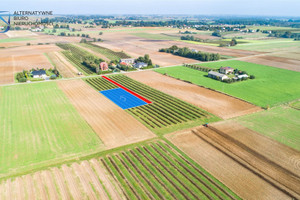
123, 98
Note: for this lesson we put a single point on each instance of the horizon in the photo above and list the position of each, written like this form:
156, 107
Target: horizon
265, 8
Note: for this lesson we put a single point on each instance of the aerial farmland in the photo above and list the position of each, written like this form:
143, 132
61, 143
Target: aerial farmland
149, 107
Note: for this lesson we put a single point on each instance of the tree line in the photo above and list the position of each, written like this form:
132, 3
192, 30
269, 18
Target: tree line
188, 53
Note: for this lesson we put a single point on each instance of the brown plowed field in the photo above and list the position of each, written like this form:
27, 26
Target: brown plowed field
214, 102
229, 169
280, 62
65, 68
136, 46
78, 181
114, 126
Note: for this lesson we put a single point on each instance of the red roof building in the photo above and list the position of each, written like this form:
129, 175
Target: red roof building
103, 66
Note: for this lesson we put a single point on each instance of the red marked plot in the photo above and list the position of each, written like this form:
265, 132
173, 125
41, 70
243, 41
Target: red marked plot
131, 92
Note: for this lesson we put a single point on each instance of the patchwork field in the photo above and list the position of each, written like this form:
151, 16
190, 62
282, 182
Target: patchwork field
39, 126
165, 113
63, 66
214, 102
150, 171
17, 59
279, 123
111, 55
270, 60
269, 45
272, 86
74, 54
113, 125
266, 169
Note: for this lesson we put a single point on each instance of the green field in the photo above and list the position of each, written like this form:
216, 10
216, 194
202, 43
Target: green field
268, 45
15, 39
110, 54
159, 36
165, 114
75, 55
272, 86
39, 126
279, 123
158, 171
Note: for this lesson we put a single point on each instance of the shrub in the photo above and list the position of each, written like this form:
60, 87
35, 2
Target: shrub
52, 77
22, 80
252, 77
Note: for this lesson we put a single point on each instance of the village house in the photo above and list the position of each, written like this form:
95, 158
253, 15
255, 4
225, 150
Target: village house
103, 66
140, 65
127, 60
39, 74
217, 75
226, 70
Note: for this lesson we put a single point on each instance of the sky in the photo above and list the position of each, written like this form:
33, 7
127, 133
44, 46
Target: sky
192, 7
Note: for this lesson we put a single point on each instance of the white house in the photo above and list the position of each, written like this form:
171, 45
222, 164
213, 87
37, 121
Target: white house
215, 75
242, 76
39, 74
127, 60
140, 65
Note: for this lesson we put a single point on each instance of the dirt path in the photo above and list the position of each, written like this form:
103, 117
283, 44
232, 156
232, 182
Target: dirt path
235, 176
114, 126
214, 102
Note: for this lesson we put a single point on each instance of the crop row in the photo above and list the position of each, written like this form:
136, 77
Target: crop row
112, 55
101, 84
76, 55
158, 171
165, 110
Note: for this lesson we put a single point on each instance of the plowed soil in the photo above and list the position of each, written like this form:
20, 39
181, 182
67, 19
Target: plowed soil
114, 126
280, 62
216, 103
235, 176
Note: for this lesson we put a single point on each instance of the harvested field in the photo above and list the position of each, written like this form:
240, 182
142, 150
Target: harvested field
135, 46
214, 102
280, 62
63, 66
87, 179
13, 34
7, 70
113, 125
240, 179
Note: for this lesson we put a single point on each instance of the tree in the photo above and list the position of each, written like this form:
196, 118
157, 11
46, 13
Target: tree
100, 33
233, 42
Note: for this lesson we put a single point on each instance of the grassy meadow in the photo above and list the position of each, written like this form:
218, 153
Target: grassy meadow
279, 123
272, 86
40, 126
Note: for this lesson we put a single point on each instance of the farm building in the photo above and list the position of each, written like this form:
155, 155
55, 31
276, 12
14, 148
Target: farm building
127, 60
140, 65
39, 74
226, 70
216, 75
242, 76
124, 63
103, 66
